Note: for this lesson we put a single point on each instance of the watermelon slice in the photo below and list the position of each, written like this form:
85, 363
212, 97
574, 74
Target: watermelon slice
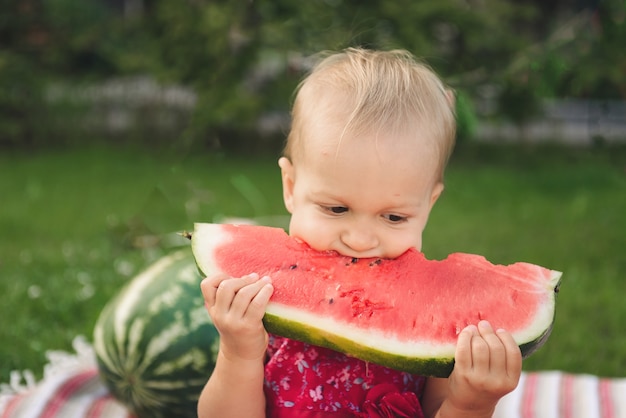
404, 313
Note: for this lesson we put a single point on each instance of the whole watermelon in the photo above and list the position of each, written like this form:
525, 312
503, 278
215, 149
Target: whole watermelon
154, 341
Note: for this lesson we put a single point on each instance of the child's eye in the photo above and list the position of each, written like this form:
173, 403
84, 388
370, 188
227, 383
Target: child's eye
395, 218
337, 210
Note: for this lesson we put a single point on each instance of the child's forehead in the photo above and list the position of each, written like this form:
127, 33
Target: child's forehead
381, 169
368, 149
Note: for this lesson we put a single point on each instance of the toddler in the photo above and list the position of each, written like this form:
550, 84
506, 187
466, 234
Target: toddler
363, 166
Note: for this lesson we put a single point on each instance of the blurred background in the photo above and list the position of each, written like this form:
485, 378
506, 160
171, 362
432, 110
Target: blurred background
124, 121
219, 74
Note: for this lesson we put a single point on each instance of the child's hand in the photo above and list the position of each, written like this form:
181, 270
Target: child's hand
237, 306
487, 366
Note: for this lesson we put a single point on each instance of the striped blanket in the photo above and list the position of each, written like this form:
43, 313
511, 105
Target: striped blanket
554, 394
71, 388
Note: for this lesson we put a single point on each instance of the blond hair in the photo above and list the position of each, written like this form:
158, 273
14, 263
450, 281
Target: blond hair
388, 90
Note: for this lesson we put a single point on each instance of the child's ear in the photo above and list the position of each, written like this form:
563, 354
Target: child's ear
287, 175
437, 190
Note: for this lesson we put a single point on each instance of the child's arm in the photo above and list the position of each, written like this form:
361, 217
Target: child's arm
488, 365
236, 305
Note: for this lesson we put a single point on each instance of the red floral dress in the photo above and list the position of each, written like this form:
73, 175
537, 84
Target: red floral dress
306, 381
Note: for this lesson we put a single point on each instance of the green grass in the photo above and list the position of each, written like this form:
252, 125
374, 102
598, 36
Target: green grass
76, 225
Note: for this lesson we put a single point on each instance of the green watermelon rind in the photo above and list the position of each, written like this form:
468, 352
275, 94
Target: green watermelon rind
154, 342
436, 365
430, 366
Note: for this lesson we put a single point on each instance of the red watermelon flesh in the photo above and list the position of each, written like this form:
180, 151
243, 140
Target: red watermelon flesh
404, 313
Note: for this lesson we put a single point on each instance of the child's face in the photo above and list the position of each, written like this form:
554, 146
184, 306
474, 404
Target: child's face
365, 197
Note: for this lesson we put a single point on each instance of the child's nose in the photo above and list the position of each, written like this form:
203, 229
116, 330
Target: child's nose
359, 240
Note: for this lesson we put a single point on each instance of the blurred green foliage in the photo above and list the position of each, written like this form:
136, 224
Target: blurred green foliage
243, 59
465, 117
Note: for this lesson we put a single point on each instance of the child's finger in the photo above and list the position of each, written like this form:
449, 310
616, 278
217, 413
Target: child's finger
257, 306
463, 355
245, 296
513, 354
227, 289
208, 286
481, 354
495, 347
